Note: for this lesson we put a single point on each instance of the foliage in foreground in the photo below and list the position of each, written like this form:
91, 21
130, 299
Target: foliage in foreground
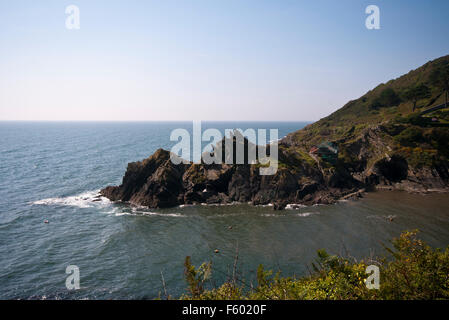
413, 270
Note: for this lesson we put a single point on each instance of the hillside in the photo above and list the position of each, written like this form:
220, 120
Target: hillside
381, 140
390, 141
358, 114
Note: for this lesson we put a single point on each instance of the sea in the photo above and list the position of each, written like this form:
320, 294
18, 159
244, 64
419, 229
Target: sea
51, 220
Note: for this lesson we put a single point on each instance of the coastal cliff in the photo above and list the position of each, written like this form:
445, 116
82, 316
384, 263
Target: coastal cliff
389, 138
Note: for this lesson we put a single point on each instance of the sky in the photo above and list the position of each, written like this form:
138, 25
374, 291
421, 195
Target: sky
249, 60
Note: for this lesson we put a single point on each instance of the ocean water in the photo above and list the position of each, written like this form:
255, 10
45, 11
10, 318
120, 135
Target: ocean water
53, 171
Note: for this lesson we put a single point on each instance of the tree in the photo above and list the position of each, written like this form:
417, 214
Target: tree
416, 93
387, 98
196, 277
440, 78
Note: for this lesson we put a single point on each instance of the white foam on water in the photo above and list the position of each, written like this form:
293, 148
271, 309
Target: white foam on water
136, 212
294, 206
265, 205
213, 216
306, 214
205, 204
234, 203
119, 214
84, 200
112, 211
185, 205
177, 215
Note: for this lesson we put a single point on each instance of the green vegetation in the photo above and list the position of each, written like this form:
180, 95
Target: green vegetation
196, 277
410, 136
387, 98
385, 121
422, 87
417, 93
440, 77
412, 270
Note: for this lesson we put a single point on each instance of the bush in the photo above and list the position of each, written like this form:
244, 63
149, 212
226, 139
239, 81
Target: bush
196, 277
439, 138
416, 272
387, 98
412, 271
410, 137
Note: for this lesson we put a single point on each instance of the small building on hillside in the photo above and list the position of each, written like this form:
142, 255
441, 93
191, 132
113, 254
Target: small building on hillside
327, 151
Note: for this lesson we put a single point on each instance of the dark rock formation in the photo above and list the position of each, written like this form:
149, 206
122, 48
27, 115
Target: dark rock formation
158, 183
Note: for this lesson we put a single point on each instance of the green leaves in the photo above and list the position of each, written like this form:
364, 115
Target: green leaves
417, 93
387, 98
196, 277
412, 270
440, 76
417, 271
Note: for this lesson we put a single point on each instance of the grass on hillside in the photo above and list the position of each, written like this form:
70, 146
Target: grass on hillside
383, 104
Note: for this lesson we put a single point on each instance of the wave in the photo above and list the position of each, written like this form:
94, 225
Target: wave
136, 212
84, 200
265, 205
94, 199
294, 206
204, 204
185, 205
91, 199
305, 214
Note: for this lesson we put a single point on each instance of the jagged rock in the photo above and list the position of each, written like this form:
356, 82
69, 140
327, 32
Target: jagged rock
157, 182
279, 205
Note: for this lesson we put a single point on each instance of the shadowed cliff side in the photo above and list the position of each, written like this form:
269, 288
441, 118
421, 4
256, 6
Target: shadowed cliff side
157, 182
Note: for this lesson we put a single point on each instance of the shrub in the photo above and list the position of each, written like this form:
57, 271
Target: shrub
413, 270
196, 277
410, 136
439, 138
417, 120
387, 98
416, 272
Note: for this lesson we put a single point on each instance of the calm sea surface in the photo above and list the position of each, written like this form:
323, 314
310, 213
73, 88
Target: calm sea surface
53, 171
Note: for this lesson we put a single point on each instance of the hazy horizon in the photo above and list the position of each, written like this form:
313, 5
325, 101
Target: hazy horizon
202, 60
167, 121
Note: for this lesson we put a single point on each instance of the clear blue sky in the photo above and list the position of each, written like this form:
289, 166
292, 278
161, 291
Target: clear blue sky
206, 60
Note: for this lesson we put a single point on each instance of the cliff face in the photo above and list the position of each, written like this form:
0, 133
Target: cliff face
375, 159
156, 182
153, 182
383, 143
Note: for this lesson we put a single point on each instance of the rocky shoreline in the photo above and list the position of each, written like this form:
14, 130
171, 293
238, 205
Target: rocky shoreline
377, 141
158, 183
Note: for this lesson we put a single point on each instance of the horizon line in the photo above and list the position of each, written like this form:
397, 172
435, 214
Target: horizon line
124, 121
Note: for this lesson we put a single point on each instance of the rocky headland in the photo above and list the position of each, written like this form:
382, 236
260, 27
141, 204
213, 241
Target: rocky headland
385, 140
